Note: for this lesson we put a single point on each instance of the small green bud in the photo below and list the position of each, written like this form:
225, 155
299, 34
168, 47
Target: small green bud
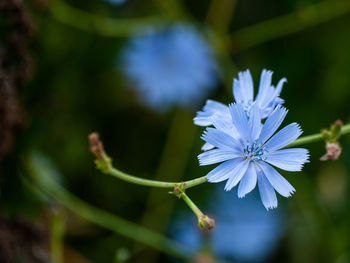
335, 130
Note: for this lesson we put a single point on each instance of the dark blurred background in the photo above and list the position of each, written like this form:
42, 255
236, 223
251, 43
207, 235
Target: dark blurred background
66, 71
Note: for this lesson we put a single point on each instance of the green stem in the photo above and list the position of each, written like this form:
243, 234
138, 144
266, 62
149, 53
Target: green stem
200, 180
147, 182
107, 27
288, 24
192, 205
307, 139
42, 173
317, 137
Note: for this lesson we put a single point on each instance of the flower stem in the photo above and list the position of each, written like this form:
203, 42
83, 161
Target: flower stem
317, 137
192, 205
204, 221
109, 169
153, 183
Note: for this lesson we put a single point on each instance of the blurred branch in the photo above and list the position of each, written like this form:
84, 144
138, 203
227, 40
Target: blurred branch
288, 24
174, 9
42, 173
223, 7
107, 27
57, 227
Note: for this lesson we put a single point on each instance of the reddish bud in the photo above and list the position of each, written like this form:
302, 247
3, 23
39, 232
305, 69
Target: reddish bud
333, 152
96, 146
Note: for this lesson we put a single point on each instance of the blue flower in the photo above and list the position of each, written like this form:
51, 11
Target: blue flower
247, 158
171, 68
266, 100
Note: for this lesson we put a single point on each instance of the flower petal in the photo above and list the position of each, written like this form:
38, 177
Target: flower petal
264, 87
284, 137
282, 186
217, 156
267, 97
255, 122
223, 171
243, 87
248, 181
289, 159
236, 174
220, 139
279, 88
267, 193
240, 120
203, 118
225, 124
207, 146
210, 109
272, 123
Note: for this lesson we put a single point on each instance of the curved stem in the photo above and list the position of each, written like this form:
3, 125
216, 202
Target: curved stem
147, 182
42, 173
109, 169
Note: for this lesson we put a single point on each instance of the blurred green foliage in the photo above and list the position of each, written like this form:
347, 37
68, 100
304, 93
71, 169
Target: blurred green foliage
76, 89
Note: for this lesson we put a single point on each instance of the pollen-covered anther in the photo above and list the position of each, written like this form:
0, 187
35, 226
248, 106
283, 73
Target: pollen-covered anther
254, 152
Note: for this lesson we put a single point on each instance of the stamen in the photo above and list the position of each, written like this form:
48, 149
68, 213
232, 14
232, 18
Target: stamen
255, 152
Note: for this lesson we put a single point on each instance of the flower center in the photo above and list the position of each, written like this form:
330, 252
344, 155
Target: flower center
255, 152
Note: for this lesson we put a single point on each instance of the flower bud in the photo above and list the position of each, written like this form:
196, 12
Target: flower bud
333, 151
205, 222
96, 146
103, 162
